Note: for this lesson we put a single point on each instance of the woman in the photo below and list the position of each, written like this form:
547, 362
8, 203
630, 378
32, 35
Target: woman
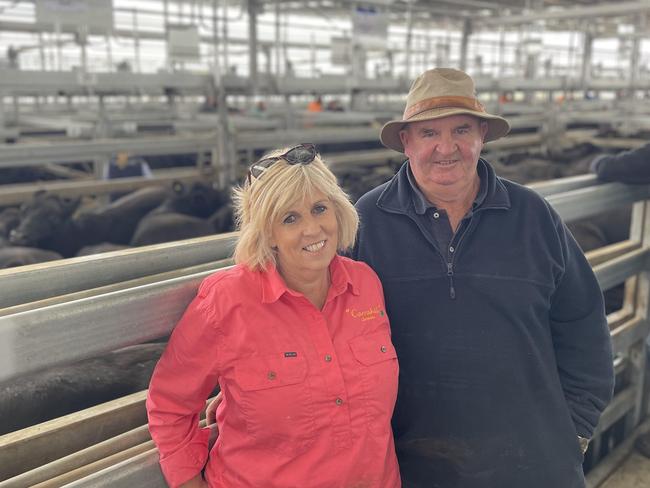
298, 340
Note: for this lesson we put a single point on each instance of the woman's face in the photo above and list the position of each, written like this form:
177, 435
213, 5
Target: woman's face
306, 236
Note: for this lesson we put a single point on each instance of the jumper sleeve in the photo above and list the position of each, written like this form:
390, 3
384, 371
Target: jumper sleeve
182, 380
581, 338
627, 167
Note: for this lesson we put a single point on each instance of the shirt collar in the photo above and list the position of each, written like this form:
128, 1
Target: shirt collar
420, 202
274, 286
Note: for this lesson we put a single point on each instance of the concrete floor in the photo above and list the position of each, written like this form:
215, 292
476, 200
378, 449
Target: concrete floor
633, 473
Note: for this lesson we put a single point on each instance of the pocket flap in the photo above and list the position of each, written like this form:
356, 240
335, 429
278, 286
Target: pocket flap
373, 348
262, 372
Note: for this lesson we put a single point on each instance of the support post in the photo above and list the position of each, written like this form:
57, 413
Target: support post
252, 45
587, 51
464, 43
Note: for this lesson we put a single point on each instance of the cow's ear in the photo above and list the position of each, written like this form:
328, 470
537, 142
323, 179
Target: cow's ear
70, 204
178, 187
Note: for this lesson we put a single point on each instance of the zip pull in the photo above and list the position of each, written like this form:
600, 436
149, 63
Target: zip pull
450, 273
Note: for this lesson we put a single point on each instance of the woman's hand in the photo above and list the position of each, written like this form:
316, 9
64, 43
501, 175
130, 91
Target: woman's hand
196, 482
211, 410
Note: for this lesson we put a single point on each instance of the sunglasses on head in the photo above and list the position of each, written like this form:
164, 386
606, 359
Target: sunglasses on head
300, 154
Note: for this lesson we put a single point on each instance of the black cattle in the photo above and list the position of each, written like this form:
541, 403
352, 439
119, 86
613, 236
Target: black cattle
25, 175
195, 211
164, 227
528, 170
9, 218
115, 223
45, 223
602, 229
357, 182
100, 248
198, 200
12, 256
61, 390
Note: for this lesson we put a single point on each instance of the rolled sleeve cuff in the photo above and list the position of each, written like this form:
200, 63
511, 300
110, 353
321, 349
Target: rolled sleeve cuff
595, 163
185, 463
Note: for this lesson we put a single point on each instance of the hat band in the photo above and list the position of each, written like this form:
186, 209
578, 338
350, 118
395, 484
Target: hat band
443, 102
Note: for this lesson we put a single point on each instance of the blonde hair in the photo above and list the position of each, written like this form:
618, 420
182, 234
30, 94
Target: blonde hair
261, 203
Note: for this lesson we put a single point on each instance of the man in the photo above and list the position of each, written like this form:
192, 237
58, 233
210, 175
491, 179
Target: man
497, 318
627, 167
632, 167
124, 165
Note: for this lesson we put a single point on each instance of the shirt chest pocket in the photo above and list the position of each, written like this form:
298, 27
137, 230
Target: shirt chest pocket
379, 370
275, 400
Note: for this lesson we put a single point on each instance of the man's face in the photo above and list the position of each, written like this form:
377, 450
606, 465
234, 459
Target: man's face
122, 159
444, 152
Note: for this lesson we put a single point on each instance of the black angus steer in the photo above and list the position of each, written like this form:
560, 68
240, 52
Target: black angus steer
45, 222
9, 219
198, 200
60, 390
115, 223
13, 256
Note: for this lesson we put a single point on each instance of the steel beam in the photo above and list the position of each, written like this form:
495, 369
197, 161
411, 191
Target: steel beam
614, 9
142, 471
584, 202
48, 441
617, 270
71, 127
259, 140
30, 154
597, 476
44, 280
561, 185
628, 334
70, 331
17, 82
620, 405
9, 26
16, 194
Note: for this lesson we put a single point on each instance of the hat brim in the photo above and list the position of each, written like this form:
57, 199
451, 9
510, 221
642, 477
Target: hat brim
497, 126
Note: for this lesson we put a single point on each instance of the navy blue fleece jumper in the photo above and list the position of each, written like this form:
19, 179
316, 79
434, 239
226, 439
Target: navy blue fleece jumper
505, 355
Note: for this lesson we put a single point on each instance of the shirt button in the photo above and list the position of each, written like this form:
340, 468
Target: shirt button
272, 375
328, 358
451, 249
339, 401
383, 349
436, 215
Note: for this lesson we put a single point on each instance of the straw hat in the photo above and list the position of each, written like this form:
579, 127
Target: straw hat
438, 93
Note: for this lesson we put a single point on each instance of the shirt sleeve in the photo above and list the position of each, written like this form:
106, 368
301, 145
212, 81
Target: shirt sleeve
182, 381
581, 338
627, 167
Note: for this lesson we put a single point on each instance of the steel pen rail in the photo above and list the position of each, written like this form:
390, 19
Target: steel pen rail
130, 287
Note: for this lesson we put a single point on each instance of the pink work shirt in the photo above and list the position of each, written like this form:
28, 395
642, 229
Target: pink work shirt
308, 393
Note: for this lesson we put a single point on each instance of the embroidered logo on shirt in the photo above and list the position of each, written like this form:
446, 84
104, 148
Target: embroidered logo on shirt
363, 315
290, 354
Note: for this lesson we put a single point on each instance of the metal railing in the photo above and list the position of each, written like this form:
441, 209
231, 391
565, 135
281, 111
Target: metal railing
43, 333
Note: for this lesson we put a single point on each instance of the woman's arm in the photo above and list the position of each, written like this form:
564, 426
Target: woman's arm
184, 377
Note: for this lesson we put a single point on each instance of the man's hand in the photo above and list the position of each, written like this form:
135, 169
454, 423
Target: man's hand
211, 410
584, 444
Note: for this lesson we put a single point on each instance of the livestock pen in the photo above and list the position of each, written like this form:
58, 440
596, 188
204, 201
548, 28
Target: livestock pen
59, 312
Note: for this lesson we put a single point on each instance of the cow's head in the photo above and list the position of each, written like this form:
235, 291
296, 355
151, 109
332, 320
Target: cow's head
41, 218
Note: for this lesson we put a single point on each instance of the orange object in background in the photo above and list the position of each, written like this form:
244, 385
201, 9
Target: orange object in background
315, 105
